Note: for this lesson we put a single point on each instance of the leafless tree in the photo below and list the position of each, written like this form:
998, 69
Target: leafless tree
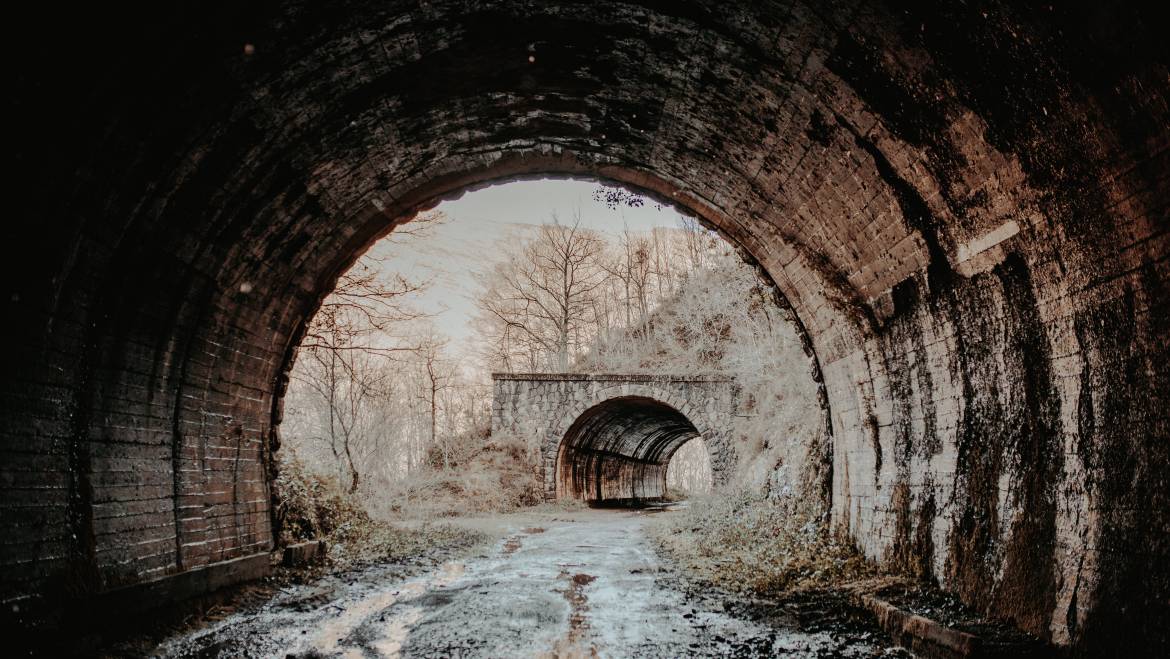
437, 380
538, 304
632, 265
349, 386
369, 305
341, 374
699, 243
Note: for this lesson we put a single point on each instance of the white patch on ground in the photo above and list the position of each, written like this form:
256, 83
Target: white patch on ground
581, 584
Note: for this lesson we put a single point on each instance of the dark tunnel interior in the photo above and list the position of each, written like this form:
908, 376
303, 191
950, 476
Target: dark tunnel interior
617, 452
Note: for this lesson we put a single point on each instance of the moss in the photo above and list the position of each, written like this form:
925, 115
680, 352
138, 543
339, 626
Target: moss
1013, 433
1123, 446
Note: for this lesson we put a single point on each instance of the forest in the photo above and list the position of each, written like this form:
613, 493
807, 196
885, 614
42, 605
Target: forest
383, 406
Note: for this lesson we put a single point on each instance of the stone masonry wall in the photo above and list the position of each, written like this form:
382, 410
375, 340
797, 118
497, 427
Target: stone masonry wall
540, 408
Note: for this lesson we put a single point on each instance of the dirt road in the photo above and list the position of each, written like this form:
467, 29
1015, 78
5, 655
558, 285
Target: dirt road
581, 585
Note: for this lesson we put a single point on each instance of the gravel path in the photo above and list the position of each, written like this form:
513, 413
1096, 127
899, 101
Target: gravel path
585, 585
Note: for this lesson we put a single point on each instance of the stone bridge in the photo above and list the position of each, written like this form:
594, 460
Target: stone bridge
610, 437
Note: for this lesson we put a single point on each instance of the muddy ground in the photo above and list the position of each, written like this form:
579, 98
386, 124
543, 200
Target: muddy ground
578, 584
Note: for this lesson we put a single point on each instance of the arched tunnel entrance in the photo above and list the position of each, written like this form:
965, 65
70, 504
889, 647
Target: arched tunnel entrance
963, 203
618, 451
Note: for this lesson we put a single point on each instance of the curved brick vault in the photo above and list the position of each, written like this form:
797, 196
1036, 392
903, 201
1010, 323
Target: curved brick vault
606, 437
965, 208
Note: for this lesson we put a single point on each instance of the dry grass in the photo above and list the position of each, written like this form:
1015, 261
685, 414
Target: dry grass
314, 507
745, 543
379, 541
497, 478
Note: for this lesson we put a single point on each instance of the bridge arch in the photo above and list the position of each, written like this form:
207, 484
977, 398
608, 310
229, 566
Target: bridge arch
618, 450
627, 424
680, 408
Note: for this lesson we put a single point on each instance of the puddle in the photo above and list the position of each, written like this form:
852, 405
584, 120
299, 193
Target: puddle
512, 544
578, 605
334, 632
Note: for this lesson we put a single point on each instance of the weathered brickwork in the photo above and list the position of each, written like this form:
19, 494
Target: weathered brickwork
611, 437
965, 205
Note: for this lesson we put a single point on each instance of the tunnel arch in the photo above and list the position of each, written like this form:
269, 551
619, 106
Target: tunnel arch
617, 451
977, 253
670, 410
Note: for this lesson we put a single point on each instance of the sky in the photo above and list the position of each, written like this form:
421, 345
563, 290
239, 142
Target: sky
467, 241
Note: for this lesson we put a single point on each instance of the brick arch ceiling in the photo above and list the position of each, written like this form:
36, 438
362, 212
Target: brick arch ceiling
966, 208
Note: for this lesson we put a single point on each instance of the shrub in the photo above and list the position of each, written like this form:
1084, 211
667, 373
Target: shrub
745, 542
310, 506
498, 476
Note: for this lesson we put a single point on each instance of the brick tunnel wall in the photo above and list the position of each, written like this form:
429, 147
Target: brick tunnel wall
965, 207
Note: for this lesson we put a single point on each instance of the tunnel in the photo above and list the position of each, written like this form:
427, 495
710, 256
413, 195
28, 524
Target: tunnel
964, 206
617, 452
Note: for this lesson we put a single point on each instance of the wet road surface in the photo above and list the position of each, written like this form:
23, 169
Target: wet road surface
591, 586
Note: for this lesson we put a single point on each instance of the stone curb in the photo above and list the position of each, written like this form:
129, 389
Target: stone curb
923, 636
304, 553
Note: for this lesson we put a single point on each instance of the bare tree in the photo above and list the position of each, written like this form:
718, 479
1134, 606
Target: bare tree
632, 265
537, 305
664, 268
437, 377
698, 242
349, 387
341, 378
362, 312
558, 296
